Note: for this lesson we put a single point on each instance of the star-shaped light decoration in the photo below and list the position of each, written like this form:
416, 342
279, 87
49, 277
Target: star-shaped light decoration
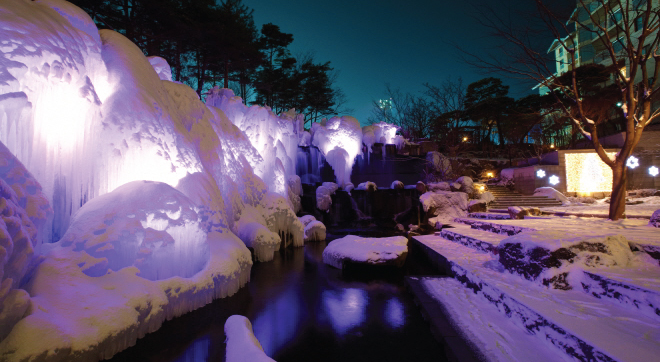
653, 171
632, 162
540, 174
554, 179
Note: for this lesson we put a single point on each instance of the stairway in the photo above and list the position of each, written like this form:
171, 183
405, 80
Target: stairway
557, 324
505, 198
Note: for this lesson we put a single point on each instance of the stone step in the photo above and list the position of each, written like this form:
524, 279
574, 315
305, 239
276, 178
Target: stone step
473, 238
580, 325
489, 216
497, 204
493, 227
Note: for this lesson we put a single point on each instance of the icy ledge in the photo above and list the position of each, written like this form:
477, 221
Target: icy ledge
77, 317
374, 251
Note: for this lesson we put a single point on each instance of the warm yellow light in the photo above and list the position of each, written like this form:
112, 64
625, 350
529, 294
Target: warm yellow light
552, 146
489, 174
587, 173
465, 139
482, 188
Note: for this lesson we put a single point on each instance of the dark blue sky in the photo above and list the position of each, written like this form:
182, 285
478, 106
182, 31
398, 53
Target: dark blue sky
371, 43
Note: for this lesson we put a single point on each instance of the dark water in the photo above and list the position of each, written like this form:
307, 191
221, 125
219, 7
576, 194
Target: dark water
304, 310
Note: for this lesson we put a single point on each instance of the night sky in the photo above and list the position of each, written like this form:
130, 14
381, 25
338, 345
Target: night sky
372, 43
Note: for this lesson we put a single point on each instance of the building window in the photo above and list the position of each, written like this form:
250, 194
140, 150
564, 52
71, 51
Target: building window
616, 17
561, 51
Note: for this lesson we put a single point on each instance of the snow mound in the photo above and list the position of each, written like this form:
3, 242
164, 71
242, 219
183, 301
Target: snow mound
340, 141
444, 206
323, 195
242, 345
467, 185
487, 196
314, 229
373, 251
552, 194
252, 230
148, 225
161, 67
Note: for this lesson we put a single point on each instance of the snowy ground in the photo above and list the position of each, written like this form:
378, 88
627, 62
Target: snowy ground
650, 204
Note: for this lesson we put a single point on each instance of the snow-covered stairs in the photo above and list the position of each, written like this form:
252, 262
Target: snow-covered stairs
612, 305
505, 198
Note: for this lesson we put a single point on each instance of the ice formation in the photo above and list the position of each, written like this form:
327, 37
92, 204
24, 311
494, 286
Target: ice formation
382, 132
324, 195
148, 185
242, 345
314, 229
340, 141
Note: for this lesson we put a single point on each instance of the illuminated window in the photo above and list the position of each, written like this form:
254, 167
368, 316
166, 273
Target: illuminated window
587, 173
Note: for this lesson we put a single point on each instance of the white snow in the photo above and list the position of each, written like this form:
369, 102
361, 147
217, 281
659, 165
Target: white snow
374, 251
314, 229
242, 345
552, 194
367, 186
444, 206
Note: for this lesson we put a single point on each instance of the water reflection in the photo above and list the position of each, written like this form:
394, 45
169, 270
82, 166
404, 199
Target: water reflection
198, 350
276, 325
394, 314
346, 309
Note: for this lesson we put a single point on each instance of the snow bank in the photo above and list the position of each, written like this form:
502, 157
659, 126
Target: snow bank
323, 195
340, 141
552, 194
373, 251
242, 345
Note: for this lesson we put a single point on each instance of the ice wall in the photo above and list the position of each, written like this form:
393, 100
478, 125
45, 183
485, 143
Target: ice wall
382, 132
340, 141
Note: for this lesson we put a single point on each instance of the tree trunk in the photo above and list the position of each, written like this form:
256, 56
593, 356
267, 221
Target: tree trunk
618, 199
226, 73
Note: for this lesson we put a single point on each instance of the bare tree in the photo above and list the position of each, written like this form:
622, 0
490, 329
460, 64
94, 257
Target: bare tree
627, 33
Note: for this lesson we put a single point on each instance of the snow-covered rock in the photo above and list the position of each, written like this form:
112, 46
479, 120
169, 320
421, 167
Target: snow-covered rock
467, 185
242, 345
655, 219
506, 176
444, 206
324, 195
557, 257
397, 185
477, 206
438, 186
367, 186
439, 163
552, 193
487, 196
373, 251
161, 67
421, 187
519, 212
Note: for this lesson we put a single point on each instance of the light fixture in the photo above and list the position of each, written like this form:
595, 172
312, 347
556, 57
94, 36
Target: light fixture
552, 146
653, 171
489, 174
540, 174
632, 162
554, 180
465, 139
482, 188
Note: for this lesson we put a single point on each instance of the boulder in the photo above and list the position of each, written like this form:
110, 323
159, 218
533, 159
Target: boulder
487, 196
367, 186
439, 163
655, 219
372, 251
477, 206
455, 186
467, 185
444, 206
439, 186
397, 185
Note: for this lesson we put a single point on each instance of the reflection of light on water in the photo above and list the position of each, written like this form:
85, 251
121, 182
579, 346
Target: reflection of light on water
394, 313
346, 310
276, 325
197, 351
